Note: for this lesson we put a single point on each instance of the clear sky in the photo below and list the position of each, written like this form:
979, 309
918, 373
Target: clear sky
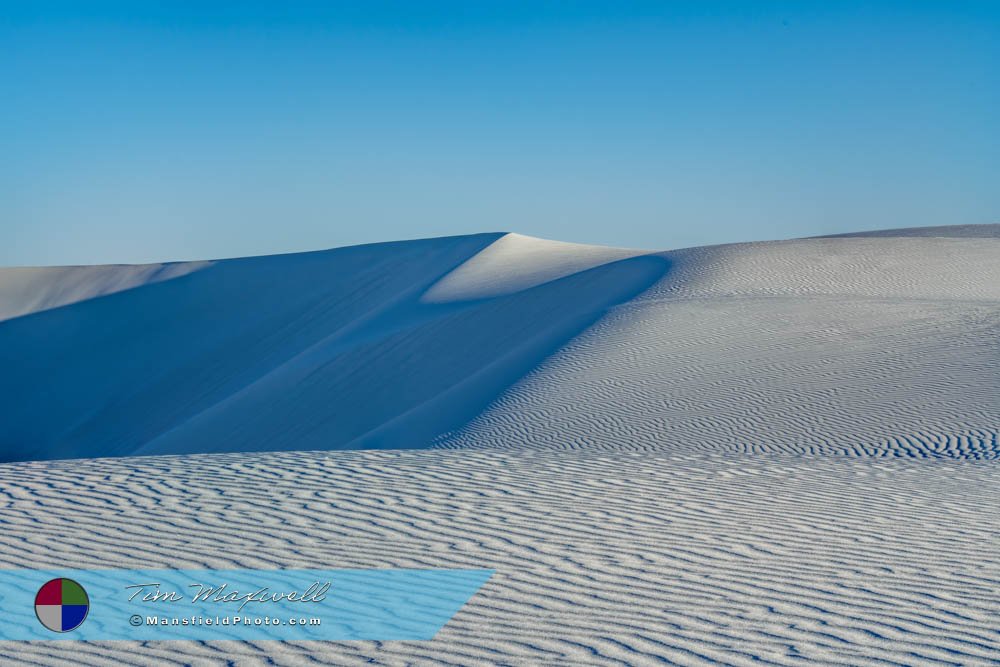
134, 132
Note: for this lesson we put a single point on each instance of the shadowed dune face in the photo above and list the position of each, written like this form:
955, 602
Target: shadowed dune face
323, 350
411, 372
873, 346
107, 375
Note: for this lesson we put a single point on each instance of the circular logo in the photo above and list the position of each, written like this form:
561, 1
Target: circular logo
61, 605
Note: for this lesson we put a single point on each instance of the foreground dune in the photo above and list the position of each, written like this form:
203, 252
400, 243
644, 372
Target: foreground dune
770, 453
628, 558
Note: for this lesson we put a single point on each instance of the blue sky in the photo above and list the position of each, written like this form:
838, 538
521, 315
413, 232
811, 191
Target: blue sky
133, 133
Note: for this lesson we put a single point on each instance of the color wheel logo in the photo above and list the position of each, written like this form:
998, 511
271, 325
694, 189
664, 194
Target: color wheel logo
61, 605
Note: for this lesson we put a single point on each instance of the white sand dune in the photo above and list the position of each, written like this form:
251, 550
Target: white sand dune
768, 453
871, 345
948, 231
